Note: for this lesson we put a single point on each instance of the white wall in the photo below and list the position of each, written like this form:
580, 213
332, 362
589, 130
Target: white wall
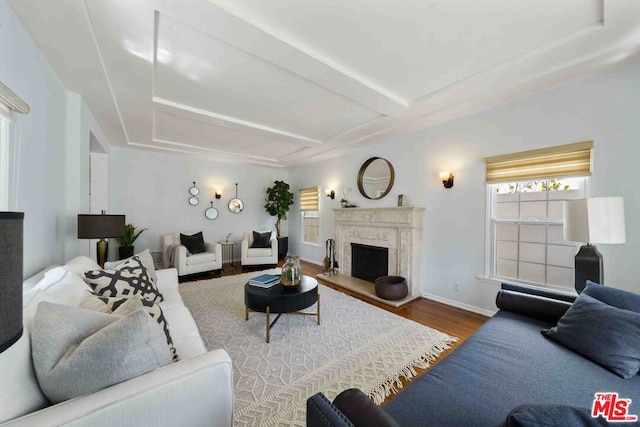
603, 109
41, 187
152, 190
52, 172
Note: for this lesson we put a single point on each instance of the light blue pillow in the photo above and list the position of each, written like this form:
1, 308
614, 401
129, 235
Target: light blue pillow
612, 296
607, 335
537, 415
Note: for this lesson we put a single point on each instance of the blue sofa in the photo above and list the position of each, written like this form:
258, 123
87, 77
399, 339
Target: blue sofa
506, 372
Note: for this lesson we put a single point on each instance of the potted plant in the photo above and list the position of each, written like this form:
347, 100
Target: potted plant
278, 199
126, 242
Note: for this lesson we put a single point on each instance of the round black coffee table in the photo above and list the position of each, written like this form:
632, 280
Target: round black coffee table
282, 299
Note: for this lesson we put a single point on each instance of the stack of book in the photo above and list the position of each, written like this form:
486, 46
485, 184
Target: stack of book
265, 280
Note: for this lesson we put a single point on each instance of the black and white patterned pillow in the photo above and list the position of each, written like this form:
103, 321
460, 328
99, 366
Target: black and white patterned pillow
109, 305
127, 279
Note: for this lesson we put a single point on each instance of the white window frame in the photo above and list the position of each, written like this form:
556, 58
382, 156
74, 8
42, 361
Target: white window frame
10, 140
490, 235
7, 166
314, 215
309, 208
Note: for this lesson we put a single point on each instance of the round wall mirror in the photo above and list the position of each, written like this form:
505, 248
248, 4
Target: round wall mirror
236, 205
375, 178
211, 213
193, 200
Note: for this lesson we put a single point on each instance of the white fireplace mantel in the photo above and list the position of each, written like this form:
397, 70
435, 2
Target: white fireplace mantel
399, 229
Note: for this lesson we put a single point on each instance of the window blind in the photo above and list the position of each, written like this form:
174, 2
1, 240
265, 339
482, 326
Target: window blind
553, 162
310, 199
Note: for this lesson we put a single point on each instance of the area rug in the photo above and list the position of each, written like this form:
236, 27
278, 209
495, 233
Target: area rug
356, 345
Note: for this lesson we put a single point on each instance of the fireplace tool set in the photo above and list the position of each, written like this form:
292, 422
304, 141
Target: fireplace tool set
330, 264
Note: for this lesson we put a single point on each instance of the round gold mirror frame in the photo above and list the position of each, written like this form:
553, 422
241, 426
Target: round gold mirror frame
362, 177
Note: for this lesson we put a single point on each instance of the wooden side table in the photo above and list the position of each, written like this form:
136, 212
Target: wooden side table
227, 253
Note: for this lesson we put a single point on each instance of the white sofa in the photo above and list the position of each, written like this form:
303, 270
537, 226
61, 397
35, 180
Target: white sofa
195, 391
186, 264
258, 256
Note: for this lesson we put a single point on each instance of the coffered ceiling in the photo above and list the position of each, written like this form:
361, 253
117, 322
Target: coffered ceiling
284, 82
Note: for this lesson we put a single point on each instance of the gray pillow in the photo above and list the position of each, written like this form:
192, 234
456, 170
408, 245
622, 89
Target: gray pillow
608, 335
612, 296
110, 305
77, 351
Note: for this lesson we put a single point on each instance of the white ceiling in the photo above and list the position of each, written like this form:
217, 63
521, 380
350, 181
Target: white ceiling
283, 82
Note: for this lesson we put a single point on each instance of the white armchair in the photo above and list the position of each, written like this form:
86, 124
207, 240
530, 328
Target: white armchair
186, 264
258, 256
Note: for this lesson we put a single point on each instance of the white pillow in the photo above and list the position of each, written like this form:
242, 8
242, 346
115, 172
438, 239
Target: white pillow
62, 285
16, 368
145, 259
80, 264
127, 279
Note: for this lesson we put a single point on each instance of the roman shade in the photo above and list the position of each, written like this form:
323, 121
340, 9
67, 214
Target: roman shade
552, 162
310, 199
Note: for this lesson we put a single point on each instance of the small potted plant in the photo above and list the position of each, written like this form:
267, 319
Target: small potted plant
126, 242
279, 199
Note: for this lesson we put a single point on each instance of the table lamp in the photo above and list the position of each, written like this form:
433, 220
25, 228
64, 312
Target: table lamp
593, 220
100, 227
11, 224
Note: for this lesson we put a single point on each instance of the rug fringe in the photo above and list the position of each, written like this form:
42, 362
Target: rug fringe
393, 384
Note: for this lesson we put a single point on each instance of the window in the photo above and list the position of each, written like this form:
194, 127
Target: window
5, 154
310, 208
10, 103
525, 241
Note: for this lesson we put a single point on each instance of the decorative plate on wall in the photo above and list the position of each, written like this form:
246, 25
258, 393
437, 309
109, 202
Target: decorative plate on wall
194, 191
211, 213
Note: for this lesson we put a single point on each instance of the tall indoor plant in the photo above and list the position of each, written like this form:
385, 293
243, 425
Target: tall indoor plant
126, 242
278, 201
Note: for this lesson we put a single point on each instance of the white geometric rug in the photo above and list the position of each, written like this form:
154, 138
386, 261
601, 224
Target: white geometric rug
356, 345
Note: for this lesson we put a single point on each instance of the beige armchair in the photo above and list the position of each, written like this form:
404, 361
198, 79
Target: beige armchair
258, 256
176, 255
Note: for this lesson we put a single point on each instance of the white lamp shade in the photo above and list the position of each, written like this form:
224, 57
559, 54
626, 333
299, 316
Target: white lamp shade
594, 220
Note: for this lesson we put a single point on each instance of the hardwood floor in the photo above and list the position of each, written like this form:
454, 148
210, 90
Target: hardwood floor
450, 320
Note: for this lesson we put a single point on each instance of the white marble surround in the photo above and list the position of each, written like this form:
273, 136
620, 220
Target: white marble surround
397, 229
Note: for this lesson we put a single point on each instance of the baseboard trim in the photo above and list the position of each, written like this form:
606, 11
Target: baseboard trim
467, 307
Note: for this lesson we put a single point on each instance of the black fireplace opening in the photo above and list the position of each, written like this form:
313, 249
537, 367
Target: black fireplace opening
369, 262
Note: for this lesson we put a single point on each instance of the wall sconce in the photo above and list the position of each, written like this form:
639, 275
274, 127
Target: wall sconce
330, 193
217, 194
447, 179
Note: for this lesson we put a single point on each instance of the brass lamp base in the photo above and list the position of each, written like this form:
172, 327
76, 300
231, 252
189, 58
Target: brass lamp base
102, 249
